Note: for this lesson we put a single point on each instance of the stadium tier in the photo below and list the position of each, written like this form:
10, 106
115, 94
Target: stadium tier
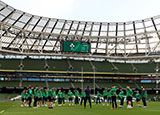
75, 84
76, 65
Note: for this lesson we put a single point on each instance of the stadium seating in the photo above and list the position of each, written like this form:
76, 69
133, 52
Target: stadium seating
64, 65
76, 84
77, 65
33, 64
57, 65
11, 64
103, 66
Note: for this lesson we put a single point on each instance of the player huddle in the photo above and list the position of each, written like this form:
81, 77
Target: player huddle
49, 96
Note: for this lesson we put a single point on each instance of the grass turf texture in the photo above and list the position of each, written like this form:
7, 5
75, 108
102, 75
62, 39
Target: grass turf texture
13, 108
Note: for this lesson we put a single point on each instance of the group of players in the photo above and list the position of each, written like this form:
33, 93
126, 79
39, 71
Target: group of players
48, 96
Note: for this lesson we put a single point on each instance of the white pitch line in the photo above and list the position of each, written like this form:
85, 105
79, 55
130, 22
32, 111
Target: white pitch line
2, 111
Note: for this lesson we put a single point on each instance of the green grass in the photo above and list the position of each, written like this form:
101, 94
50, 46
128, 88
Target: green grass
13, 108
6, 96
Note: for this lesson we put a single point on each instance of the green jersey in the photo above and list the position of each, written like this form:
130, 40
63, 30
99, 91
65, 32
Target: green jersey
70, 94
60, 94
54, 93
40, 94
144, 94
63, 94
105, 92
137, 96
98, 95
45, 94
109, 94
121, 94
113, 91
50, 93
83, 94
35, 91
129, 92
76, 94
23, 94
30, 93
27, 94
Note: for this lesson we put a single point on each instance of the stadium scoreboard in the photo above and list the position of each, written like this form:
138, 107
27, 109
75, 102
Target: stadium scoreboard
75, 46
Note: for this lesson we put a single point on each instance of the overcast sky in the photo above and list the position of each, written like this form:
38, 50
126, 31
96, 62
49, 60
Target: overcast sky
90, 10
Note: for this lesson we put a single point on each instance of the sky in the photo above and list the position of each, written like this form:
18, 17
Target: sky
90, 10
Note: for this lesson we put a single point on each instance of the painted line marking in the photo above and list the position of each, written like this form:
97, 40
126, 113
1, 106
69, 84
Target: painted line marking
2, 111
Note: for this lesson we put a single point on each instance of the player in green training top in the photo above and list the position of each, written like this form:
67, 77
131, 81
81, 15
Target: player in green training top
83, 96
109, 98
50, 106
70, 97
144, 96
35, 92
23, 95
45, 95
27, 96
105, 94
40, 97
98, 97
30, 96
113, 96
137, 98
63, 97
76, 93
60, 95
129, 94
53, 97
121, 97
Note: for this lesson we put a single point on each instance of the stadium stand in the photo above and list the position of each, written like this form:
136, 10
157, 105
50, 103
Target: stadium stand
63, 65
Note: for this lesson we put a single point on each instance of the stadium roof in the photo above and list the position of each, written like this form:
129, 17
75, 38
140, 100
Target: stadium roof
26, 34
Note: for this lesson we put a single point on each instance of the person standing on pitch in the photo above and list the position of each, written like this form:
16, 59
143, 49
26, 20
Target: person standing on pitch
144, 96
35, 91
40, 97
113, 96
137, 98
23, 97
121, 97
63, 97
98, 97
105, 94
88, 97
53, 96
83, 96
30, 96
76, 93
70, 97
129, 97
109, 98
59, 98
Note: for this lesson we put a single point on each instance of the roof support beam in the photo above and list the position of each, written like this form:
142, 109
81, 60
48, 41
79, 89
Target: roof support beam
99, 32
107, 38
40, 33
125, 42
10, 14
50, 34
134, 28
69, 29
116, 43
84, 30
147, 47
58, 38
19, 32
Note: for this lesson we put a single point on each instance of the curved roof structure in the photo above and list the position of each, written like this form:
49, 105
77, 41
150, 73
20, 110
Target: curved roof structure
26, 34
